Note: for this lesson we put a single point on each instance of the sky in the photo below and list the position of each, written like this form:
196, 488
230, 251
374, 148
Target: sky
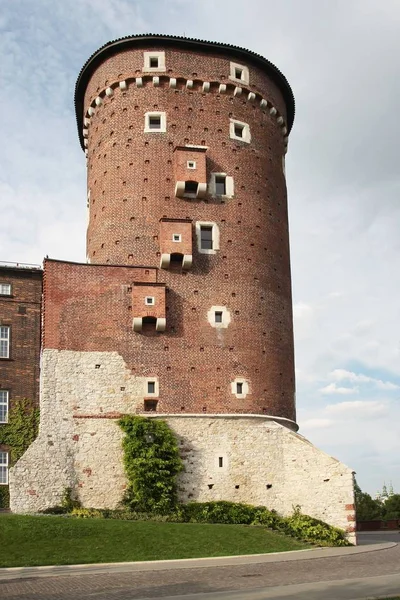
341, 58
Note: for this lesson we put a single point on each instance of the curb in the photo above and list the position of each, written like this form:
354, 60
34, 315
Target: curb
9, 573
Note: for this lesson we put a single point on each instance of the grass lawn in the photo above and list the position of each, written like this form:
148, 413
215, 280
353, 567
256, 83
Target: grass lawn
53, 540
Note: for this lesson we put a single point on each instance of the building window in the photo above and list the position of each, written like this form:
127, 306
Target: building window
218, 316
239, 387
150, 405
239, 73
5, 289
154, 62
191, 164
176, 237
3, 406
3, 468
155, 122
220, 461
220, 185
149, 301
240, 131
151, 387
4, 342
206, 237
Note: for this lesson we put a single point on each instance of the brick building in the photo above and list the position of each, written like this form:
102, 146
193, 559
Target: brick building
183, 310
20, 302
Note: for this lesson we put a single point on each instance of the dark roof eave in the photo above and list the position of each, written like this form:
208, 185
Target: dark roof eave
115, 46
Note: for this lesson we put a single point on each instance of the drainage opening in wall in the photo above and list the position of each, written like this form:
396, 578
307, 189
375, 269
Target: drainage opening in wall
210, 486
220, 461
268, 486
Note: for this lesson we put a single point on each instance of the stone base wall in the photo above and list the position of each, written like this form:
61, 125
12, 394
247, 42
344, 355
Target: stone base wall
245, 458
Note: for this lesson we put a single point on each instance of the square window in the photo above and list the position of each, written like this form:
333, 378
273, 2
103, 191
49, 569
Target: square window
191, 164
4, 342
176, 237
3, 406
3, 468
218, 316
5, 289
153, 62
238, 73
238, 130
151, 387
239, 388
155, 122
149, 301
150, 405
206, 238
220, 185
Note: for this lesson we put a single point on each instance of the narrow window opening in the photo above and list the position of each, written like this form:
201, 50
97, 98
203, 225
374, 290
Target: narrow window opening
176, 237
239, 130
220, 461
149, 301
218, 316
3, 406
150, 405
238, 73
191, 187
151, 387
153, 62
4, 342
3, 468
155, 122
239, 388
206, 241
220, 185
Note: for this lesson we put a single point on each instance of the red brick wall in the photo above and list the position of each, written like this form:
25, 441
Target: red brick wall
181, 171
131, 181
21, 311
167, 230
139, 307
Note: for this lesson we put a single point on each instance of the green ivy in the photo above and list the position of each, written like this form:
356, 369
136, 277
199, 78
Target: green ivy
152, 463
18, 434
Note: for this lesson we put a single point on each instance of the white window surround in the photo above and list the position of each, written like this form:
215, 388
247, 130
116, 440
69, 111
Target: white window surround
191, 164
226, 317
215, 237
161, 62
4, 342
245, 387
4, 397
5, 289
3, 468
176, 237
149, 301
229, 186
163, 122
245, 137
217, 463
244, 73
156, 387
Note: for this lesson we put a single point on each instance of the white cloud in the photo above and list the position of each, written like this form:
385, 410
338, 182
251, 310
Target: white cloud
343, 375
333, 389
357, 408
316, 424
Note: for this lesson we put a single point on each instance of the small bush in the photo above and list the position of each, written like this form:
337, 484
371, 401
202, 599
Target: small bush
4, 496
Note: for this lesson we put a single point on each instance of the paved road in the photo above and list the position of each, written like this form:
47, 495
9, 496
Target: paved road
248, 579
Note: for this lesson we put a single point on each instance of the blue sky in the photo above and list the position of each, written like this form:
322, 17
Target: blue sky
341, 59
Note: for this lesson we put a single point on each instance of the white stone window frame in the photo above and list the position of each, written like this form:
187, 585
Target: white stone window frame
214, 234
229, 186
245, 78
149, 300
5, 289
4, 405
225, 462
246, 137
245, 387
156, 392
163, 122
226, 317
5, 334
3, 467
191, 164
178, 236
148, 55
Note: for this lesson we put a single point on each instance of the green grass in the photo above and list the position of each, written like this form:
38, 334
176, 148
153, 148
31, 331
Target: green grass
52, 540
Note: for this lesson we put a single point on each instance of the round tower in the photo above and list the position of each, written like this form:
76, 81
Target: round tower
185, 143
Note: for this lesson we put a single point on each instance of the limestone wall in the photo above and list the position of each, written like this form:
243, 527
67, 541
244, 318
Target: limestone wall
232, 457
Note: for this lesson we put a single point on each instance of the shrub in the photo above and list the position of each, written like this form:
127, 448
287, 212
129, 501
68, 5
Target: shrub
4, 496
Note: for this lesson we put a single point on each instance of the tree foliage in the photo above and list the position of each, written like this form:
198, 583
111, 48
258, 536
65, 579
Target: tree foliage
367, 509
152, 463
391, 508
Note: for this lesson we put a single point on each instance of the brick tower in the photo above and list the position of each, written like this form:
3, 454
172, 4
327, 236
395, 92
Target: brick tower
183, 310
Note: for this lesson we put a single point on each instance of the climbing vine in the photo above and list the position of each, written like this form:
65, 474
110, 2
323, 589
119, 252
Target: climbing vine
17, 435
152, 463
